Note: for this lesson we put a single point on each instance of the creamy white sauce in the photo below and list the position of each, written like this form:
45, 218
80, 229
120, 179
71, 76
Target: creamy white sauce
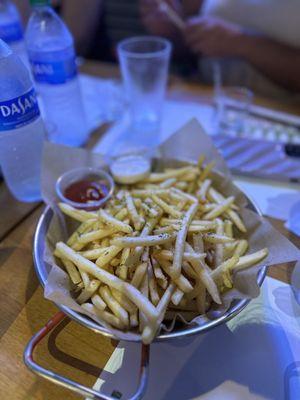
130, 169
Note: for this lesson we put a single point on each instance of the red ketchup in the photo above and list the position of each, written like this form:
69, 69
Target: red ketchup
85, 191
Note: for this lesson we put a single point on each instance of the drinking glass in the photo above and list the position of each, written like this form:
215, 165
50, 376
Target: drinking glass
232, 107
144, 64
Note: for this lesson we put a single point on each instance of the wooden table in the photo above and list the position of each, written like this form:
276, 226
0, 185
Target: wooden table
70, 349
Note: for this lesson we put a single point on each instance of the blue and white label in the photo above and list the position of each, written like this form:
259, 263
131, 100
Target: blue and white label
11, 32
19, 111
55, 72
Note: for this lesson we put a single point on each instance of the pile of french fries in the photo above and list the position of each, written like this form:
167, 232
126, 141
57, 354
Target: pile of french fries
166, 246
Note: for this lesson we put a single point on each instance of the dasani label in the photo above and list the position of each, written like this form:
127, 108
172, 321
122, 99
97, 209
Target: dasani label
19, 111
54, 72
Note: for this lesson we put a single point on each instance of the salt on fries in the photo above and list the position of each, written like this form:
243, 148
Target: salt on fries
166, 246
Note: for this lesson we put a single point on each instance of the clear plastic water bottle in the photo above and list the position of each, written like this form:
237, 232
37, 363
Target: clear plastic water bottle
21, 128
51, 53
11, 30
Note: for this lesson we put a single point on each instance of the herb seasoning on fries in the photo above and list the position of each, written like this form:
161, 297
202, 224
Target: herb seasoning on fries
163, 246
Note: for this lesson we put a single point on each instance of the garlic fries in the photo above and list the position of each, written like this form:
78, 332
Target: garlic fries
164, 246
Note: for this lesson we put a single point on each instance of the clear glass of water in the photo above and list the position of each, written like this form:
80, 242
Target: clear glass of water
232, 109
144, 64
111, 93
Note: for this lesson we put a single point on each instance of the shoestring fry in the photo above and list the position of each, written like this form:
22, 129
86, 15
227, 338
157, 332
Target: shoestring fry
164, 246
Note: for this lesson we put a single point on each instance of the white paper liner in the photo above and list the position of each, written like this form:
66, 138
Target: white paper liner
186, 144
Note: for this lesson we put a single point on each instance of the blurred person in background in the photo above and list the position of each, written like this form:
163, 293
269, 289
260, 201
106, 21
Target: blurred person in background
256, 42
96, 25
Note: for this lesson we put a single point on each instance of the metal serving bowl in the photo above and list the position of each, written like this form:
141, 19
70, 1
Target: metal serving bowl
43, 269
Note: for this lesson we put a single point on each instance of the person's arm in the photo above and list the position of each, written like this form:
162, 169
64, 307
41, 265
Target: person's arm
157, 21
82, 18
191, 7
216, 37
280, 62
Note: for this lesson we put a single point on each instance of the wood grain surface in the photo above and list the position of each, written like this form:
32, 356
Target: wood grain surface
12, 211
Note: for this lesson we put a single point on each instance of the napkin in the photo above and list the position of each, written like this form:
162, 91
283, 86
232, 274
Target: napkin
254, 356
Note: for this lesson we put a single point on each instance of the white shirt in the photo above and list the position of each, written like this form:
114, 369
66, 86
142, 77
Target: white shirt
277, 19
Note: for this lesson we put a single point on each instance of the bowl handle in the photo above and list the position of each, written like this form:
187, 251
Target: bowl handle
70, 384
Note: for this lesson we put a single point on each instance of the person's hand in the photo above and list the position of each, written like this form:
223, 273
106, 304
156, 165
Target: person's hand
155, 19
212, 36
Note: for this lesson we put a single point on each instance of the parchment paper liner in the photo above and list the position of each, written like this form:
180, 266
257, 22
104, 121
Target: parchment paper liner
186, 144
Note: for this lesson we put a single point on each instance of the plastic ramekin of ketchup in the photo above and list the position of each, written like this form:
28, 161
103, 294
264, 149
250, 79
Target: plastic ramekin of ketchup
85, 188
